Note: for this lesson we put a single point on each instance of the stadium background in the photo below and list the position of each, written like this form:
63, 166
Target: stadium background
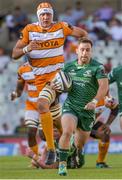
11, 114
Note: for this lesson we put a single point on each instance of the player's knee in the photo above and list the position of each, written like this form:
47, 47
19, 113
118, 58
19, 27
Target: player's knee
93, 134
105, 138
67, 135
101, 131
43, 105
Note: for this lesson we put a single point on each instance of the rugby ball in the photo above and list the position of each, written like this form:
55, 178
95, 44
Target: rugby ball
63, 81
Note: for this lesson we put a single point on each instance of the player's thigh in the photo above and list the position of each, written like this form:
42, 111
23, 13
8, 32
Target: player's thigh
47, 94
31, 118
56, 111
69, 122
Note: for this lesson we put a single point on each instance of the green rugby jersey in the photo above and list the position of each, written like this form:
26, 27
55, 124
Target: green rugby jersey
116, 76
85, 85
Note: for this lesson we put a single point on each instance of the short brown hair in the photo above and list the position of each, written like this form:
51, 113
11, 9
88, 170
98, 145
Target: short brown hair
85, 40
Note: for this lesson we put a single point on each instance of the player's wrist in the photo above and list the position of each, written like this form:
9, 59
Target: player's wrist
26, 49
95, 101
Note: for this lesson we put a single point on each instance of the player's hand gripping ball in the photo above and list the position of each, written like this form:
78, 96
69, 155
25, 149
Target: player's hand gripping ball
62, 82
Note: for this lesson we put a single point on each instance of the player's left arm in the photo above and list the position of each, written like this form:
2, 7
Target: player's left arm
103, 89
101, 93
75, 31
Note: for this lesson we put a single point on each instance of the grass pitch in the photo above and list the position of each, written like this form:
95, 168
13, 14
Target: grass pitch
17, 168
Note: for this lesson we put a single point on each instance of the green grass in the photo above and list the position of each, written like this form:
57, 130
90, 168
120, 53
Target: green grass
17, 168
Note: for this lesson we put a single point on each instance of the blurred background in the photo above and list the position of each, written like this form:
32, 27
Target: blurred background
101, 19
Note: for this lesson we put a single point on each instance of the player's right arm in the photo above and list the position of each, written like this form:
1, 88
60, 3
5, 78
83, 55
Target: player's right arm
21, 48
23, 45
18, 49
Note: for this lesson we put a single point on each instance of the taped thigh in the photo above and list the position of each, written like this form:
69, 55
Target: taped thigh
31, 118
56, 111
48, 93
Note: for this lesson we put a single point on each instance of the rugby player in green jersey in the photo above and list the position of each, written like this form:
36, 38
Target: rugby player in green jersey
116, 76
89, 85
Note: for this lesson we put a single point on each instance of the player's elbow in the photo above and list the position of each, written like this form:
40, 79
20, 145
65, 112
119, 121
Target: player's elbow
14, 55
78, 32
85, 34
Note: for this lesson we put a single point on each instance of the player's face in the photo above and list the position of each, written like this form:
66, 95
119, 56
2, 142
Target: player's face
46, 20
84, 52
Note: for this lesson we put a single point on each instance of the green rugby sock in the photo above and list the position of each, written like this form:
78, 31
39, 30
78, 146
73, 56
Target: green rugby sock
63, 154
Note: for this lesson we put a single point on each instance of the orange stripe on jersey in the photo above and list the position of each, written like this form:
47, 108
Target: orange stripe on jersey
32, 94
30, 105
46, 61
24, 68
42, 80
